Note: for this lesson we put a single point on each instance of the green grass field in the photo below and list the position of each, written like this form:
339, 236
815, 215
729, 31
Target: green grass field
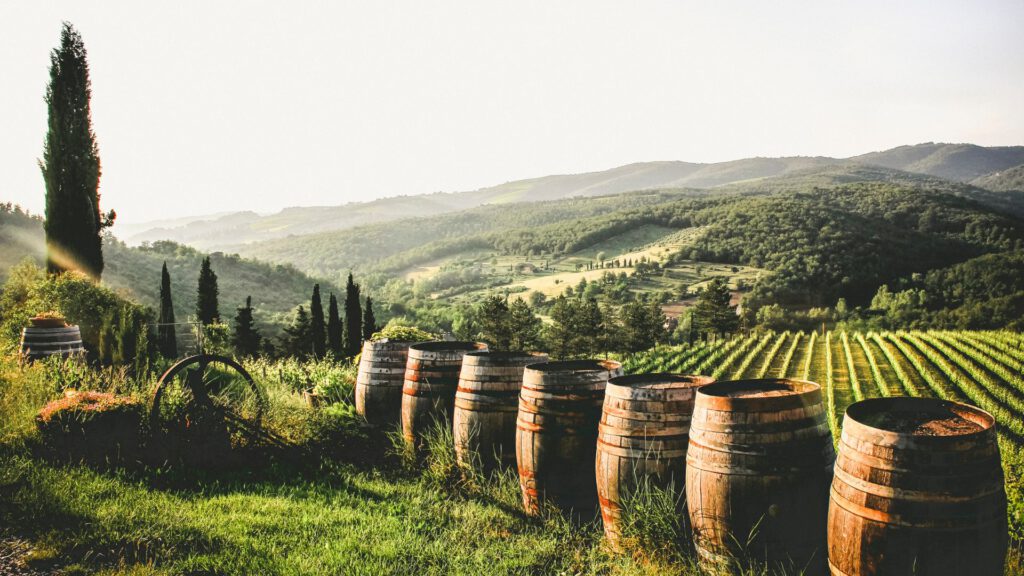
342, 503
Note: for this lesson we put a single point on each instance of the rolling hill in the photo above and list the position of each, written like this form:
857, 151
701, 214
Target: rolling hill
957, 162
135, 271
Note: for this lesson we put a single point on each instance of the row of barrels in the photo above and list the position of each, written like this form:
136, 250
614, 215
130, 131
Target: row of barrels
917, 487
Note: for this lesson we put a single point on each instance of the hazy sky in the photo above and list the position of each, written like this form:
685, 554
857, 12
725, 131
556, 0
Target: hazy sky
203, 107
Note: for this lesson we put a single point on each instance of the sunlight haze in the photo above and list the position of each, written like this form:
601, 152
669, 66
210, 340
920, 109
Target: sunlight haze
205, 107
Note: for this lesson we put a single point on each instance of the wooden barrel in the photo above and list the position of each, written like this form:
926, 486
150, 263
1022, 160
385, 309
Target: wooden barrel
379, 381
643, 436
486, 404
42, 342
757, 475
431, 378
918, 489
556, 432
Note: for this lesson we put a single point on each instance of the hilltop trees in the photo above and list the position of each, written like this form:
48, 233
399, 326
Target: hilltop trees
71, 164
246, 338
206, 301
317, 328
166, 339
353, 319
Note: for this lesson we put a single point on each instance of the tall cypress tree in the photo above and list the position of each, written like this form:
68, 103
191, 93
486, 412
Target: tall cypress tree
166, 339
317, 329
246, 339
334, 328
353, 319
206, 302
71, 164
369, 320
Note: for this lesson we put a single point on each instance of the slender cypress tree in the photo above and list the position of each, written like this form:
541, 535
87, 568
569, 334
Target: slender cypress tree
369, 320
166, 339
246, 339
333, 328
206, 302
353, 319
71, 164
317, 329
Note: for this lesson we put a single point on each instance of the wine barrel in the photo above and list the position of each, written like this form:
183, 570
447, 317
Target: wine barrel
556, 433
431, 378
486, 404
379, 381
758, 470
918, 489
42, 342
643, 436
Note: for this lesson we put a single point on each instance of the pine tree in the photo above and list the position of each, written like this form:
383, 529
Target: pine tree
317, 328
166, 336
297, 342
369, 320
525, 326
334, 328
713, 314
353, 319
71, 164
493, 319
590, 328
561, 333
206, 302
246, 339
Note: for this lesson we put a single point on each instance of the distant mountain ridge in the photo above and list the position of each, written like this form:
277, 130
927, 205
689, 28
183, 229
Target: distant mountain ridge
956, 162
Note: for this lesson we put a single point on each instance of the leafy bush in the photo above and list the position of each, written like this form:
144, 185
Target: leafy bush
401, 333
92, 426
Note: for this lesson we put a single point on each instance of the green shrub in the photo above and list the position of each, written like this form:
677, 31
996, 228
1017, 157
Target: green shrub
402, 333
95, 427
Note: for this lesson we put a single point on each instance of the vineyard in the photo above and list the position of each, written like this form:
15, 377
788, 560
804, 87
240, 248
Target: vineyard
985, 369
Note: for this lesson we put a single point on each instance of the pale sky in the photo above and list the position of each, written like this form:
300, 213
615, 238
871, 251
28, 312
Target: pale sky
203, 107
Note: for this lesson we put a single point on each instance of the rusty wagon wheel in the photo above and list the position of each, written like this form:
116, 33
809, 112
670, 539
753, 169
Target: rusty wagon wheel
202, 404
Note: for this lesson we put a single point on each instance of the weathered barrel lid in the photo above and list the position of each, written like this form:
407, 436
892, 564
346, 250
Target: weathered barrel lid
576, 366
447, 345
758, 395
902, 417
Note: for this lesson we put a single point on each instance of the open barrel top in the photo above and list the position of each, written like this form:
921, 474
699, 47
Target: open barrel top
920, 417
659, 381
507, 355
766, 394
576, 366
444, 346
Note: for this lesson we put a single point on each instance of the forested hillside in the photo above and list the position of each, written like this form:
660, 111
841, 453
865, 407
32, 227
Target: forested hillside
276, 289
822, 242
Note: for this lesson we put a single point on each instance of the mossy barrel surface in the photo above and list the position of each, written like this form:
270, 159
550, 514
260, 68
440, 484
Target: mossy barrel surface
379, 382
643, 438
39, 342
758, 471
556, 432
486, 404
918, 489
431, 379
